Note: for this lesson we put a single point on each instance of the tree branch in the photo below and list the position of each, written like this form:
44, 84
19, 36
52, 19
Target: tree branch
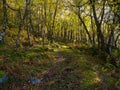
10, 7
102, 12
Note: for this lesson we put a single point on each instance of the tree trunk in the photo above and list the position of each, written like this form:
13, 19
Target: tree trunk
18, 36
4, 27
22, 21
110, 41
28, 33
117, 39
100, 37
53, 22
93, 32
85, 27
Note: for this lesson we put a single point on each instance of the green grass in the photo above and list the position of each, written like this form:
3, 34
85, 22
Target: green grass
21, 63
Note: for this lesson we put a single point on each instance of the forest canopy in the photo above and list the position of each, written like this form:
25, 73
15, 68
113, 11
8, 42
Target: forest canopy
95, 22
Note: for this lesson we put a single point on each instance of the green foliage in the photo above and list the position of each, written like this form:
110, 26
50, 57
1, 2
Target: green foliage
2, 73
55, 45
2, 45
115, 55
96, 67
117, 82
12, 25
116, 52
95, 49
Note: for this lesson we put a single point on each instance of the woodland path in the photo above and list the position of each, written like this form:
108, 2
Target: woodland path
73, 70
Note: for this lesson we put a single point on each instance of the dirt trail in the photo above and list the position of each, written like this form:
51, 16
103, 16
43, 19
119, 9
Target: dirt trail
59, 59
72, 71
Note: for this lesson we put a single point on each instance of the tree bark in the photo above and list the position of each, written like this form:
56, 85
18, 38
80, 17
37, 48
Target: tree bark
110, 41
22, 21
53, 22
117, 39
100, 37
4, 26
85, 27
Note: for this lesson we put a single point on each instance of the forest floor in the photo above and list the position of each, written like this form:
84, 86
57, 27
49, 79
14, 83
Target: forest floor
59, 68
76, 70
